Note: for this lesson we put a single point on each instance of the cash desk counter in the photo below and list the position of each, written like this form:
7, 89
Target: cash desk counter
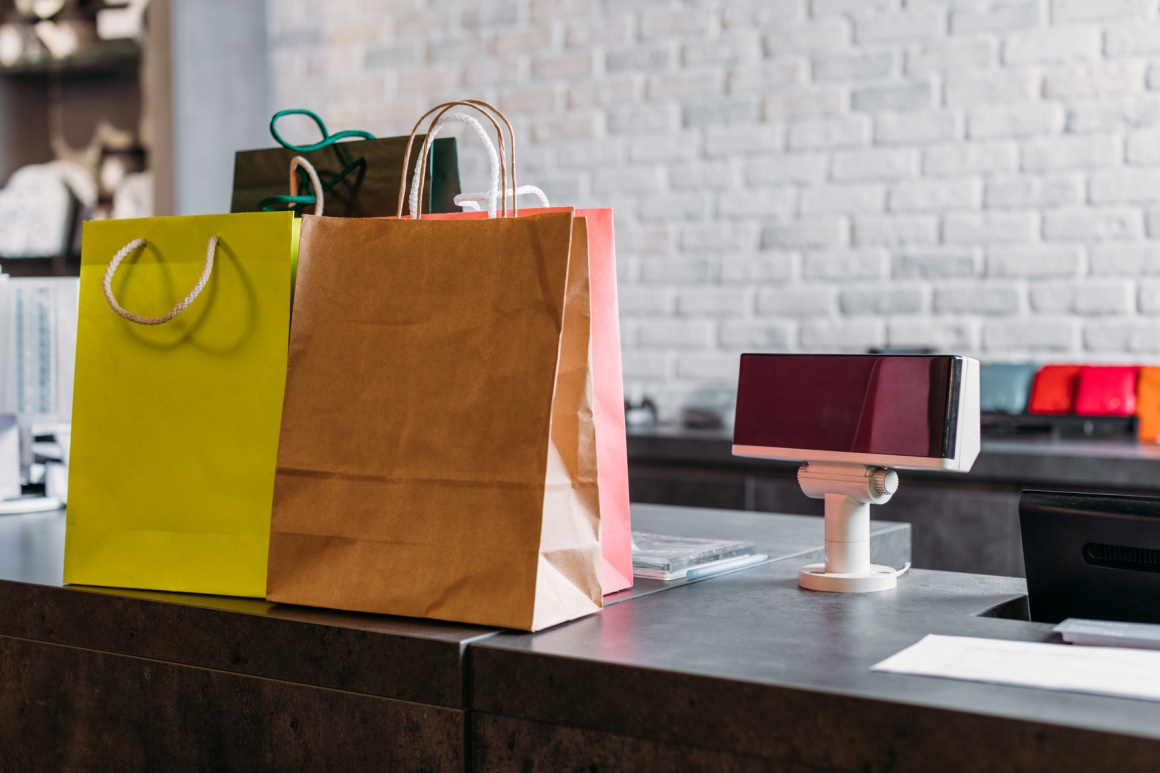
743, 671
102, 678
748, 672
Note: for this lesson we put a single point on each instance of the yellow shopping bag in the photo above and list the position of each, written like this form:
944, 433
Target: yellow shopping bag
178, 400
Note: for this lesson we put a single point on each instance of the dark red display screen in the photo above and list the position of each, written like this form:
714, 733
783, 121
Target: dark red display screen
899, 405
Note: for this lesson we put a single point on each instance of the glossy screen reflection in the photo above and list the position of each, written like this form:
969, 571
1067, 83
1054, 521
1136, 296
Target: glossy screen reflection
888, 404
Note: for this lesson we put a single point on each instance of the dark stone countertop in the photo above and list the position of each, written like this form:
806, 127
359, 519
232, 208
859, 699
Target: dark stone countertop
751, 664
392, 657
1080, 463
745, 664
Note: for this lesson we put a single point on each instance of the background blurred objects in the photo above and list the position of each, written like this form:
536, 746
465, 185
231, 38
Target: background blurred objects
71, 90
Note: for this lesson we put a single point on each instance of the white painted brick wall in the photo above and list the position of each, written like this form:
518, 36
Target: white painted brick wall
837, 132
978, 298
813, 301
965, 159
935, 195
911, 128
996, 17
986, 122
895, 230
1104, 298
1128, 260
1033, 191
1148, 298
935, 262
1035, 261
978, 176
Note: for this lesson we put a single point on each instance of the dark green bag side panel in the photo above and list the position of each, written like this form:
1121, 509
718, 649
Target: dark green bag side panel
444, 180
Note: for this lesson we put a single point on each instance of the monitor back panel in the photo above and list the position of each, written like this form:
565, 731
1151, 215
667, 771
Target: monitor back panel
1093, 556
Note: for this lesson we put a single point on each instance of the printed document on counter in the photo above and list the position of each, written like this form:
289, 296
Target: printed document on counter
1122, 673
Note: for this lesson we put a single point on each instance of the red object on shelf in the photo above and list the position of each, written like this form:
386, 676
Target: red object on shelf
1107, 391
1054, 389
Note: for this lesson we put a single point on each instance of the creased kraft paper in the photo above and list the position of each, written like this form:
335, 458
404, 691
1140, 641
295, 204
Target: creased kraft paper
437, 451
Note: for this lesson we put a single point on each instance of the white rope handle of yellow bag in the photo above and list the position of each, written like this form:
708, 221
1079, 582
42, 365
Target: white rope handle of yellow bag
470, 201
315, 183
492, 156
210, 249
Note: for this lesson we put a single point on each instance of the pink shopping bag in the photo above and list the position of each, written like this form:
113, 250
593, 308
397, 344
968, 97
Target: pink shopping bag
608, 393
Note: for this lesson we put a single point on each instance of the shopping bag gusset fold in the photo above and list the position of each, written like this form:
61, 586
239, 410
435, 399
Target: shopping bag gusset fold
178, 400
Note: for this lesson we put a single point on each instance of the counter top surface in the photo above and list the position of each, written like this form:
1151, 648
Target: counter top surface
394, 657
794, 538
733, 655
32, 551
745, 663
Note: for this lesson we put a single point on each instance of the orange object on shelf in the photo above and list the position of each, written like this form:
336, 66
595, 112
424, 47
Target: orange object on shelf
1054, 389
1107, 390
1148, 405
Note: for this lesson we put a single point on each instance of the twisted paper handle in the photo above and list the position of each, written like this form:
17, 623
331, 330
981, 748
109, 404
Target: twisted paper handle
211, 248
489, 112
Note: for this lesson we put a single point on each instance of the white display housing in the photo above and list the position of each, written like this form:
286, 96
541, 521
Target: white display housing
848, 490
850, 483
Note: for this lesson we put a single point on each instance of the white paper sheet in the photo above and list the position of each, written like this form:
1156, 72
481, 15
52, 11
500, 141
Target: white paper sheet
1122, 673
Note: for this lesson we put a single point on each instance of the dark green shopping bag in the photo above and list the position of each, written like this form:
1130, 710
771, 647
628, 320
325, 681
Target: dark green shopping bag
360, 177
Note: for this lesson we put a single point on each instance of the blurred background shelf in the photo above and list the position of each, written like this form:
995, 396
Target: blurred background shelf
153, 103
119, 57
60, 265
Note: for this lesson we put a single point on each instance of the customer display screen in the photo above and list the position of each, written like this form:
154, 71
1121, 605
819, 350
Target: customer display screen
898, 405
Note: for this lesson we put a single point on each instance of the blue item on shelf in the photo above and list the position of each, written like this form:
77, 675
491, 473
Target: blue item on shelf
1005, 387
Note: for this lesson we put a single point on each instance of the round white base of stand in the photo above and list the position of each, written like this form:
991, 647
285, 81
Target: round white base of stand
875, 578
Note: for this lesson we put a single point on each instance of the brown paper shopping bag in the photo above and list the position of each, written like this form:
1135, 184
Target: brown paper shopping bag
437, 456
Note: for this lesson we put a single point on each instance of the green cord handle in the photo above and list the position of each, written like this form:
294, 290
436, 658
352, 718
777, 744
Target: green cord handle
327, 138
285, 201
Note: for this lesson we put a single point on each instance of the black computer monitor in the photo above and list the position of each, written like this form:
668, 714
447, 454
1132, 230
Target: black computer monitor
1094, 556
